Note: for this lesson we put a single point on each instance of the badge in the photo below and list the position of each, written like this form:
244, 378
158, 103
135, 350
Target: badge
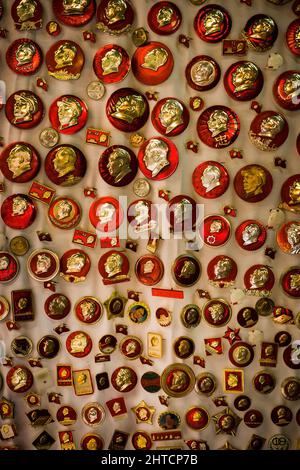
218, 126
247, 317
20, 162
290, 199
168, 420
170, 117
93, 414
9, 270
260, 32
142, 216
292, 37
19, 379
102, 381
66, 440
48, 347
115, 16
32, 399
241, 354
283, 338
53, 28
141, 187
113, 267
226, 421
279, 442
138, 312
182, 214
4, 305
24, 109
264, 306
6, 409
288, 237
243, 81
68, 114
43, 265
190, 316
92, 441
242, 402
19, 246
184, 347
177, 380
21, 346
66, 415
268, 131
202, 73
263, 382
88, 310
27, 14
41, 193
259, 280
127, 110
251, 235
291, 355
152, 63
79, 344
212, 23
222, 271
217, 312
107, 344
117, 407
118, 165
197, 418
115, 306
82, 381
65, 165
234, 46
131, 347
253, 418
64, 375
206, 383
8, 431
215, 230
111, 63
158, 158
281, 415
95, 90
210, 179
64, 213
24, 56
141, 441
124, 379
186, 270
163, 317
18, 211
149, 270
286, 90
74, 13
253, 183
106, 214
22, 307
57, 306
290, 388
39, 417
143, 413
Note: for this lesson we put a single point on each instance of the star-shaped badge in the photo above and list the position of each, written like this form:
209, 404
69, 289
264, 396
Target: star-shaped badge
226, 421
143, 412
232, 335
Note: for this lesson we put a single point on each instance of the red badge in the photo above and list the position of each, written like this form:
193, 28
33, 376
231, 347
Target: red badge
210, 179
127, 110
91, 441
164, 18
106, 214
113, 267
170, 117
290, 282
142, 216
197, 418
149, 270
241, 354
64, 213
263, 382
131, 347
24, 109
259, 279
118, 165
202, 73
260, 32
141, 440
74, 13
65, 165
288, 237
222, 271
115, 16
286, 89
247, 317
88, 310
9, 269
152, 63
124, 379
291, 355
24, 57
253, 183
79, 344
186, 270
20, 162
268, 130
212, 23
53, 28
296, 7
293, 37
217, 312
68, 114
281, 415
215, 230
65, 60
74, 266
290, 197
182, 213
43, 265
93, 414
243, 81
251, 235
111, 63
41, 193
158, 158
27, 15
18, 211
19, 379
253, 418
218, 126
57, 306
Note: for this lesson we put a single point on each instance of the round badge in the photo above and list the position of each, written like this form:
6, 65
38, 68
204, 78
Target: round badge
141, 440
243, 80
197, 418
251, 235
57, 306
286, 90
24, 56
190, 316
18, 211
106, 214
27, 15
164, 18
9, 267
92, 441
79, 344
158, 158
73, 12
64, 213
215, 230
115, 16
95, 90
19, 379
291, 355
182, 213
19, 245
264, 306
264, 382
131, 347
53, 28
4, 305
163, 317
217, 312
48, 347
49, 137
65, 60
241, 354
268, 131
152, 63
210, 179
253, 183
107, 344
24, 109
290, 197
74, 265
142, 216
138, 312
290, 388
259, 278
111, 63
21, 346
288, 237
218, 126
212, 23
127, 110
242, 403
170, 117
149, 270
177, 380
118, 165
292, 36
279, 442
282, 338
247, 317
184, 347
296, 7
65, 165
260, 32
222, 271
168, 420
253, 418
206, 383
66, 415
93, 414
113, 266
68, 114
281, 415
150, 382
141, 187
88, 310
290, 282
124, 379
20, 162
43, 265
186, 270
202, 73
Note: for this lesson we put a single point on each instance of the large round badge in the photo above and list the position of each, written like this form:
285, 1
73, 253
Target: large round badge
106, 214
57, 306
127, 110
68, 114
291, 355
206, 383
111, 63
222, 271
19, 379
251, 235
9, 267
247, 317
182, 213
113, 266
115, 16
290, 388
202, 73
152, 63
79, 344
75, 13
139, 312
290, 194
27, 14
91, 441
170, 117
158, 158
218, 126
66, 415
65, 165
263, 382
88, 310
288, 237
18, 211
24, 56
93, 414
260, 32
259, 279
212, 23
197, 418
186, 270
124, 379
241, 354
215, 230
24, 109
217, 312
184, 347
142, 216
43, 265
210, 179
243, 80
118, 165
4, 304
286, 90
164, 18
20, 162
190, 316
131, 347
293, 37
141, 440
177, 380
64, 213
253, 183
65, 60
48, 347
281, 415
74, 265
290, 282
268, 131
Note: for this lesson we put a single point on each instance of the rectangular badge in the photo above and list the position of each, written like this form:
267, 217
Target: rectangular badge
166, 436
66, 440
64, 375
41, 193
82, 381
87, 239
233, 381
22, 305
97, 136
170, 293
155, 342
234, 47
